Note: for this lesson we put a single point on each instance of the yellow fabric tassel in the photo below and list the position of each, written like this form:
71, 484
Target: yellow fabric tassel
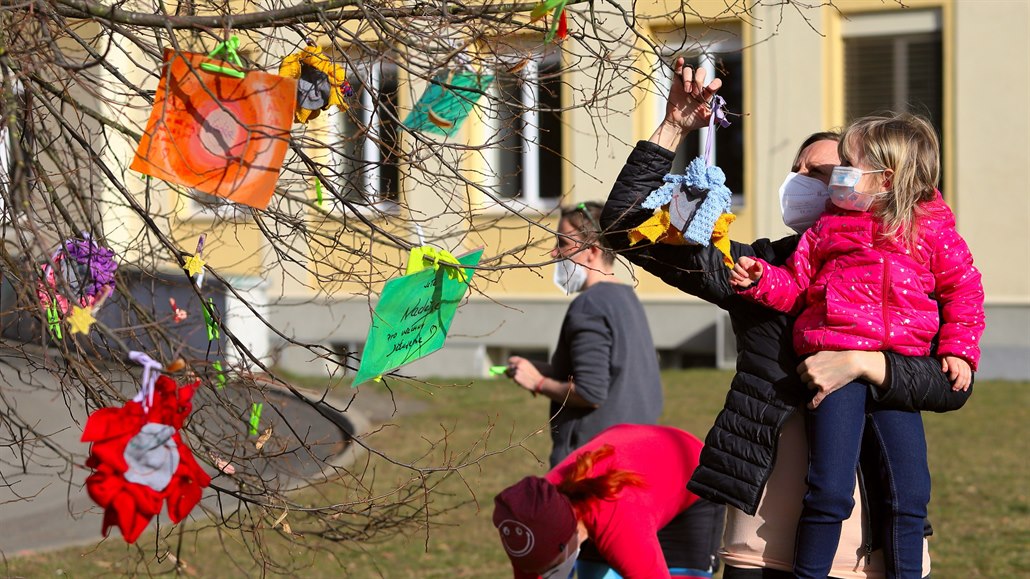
652, 230
313, 56
657, 229
721, 237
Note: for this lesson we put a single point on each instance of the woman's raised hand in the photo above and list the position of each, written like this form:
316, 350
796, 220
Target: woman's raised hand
687, 109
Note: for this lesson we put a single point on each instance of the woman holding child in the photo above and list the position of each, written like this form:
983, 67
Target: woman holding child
756, 456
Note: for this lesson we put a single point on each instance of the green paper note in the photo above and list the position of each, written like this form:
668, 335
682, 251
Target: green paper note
441, 110
412, 318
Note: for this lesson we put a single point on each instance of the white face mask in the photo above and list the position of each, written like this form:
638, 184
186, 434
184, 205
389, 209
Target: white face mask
562, 570
842, 189
569, 276
802, 201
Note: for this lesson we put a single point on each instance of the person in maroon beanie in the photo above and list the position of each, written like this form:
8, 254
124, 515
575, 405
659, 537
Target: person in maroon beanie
619, 490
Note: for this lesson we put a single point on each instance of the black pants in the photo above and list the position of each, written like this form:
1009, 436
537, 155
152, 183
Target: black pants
691, 540
738, 573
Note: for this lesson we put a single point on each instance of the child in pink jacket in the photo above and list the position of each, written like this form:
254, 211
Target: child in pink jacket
882, 270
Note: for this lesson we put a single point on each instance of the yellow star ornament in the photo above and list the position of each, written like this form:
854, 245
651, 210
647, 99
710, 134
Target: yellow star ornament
80, 320
193, 265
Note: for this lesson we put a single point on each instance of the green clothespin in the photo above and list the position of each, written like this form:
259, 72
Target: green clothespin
53, 319
229, 48
318, 191
220, 375
498, 370
209, 320
255, 416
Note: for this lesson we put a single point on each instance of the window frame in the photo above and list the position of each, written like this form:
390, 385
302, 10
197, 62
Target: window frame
902, 29
371, 155
7, 144
530, 180
706, 48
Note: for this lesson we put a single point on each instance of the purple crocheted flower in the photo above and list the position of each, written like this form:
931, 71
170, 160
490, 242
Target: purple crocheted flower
90, 269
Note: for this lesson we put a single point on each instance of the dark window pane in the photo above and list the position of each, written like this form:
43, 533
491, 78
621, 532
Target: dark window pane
386, 116
351, 145
895, 73
868, 76
369, 139
925, 79
509, 137
550, 150
729, 142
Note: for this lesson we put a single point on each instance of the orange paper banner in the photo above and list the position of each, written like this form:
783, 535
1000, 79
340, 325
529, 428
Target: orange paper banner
218, 134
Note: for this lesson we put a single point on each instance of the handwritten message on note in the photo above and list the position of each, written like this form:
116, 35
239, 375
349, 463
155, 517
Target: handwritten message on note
412, 318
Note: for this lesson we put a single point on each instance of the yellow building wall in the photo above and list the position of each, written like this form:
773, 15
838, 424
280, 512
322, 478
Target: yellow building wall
793, 65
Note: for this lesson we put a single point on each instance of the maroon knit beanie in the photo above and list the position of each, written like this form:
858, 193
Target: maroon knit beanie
535, 522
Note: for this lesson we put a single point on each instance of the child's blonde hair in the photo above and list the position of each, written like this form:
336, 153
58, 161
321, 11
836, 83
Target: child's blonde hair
908, 145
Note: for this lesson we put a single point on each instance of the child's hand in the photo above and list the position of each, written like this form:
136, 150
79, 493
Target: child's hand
747, 271
958, 370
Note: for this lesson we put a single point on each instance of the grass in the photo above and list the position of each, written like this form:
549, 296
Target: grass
980, 507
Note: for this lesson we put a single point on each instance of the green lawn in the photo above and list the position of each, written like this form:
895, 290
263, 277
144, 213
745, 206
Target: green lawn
980, 508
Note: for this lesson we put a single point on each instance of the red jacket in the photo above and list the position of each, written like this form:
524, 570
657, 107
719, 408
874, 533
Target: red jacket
857, 291
625, 530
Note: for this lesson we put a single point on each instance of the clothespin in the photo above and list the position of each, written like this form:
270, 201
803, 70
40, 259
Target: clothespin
53, 319
255, 417
229, 48
209, 320
426, 255
498, 370
318, 191
220, 374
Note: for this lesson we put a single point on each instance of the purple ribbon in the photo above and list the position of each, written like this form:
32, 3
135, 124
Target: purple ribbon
151, 369
718, 115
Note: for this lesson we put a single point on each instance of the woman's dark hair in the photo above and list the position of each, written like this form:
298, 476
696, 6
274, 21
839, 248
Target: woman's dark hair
814, 138
585, 218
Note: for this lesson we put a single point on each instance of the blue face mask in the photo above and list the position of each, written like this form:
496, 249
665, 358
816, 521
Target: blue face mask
842, 189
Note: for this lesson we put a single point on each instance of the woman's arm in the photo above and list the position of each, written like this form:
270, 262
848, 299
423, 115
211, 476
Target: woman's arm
530, 376
912, 383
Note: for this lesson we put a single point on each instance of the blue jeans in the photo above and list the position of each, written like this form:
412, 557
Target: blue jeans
835, 431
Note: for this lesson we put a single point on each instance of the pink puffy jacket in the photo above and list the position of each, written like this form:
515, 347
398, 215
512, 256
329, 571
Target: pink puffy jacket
856, 291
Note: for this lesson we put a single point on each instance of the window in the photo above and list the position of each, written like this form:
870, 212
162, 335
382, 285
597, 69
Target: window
7, 144
5, 169
891, 68
525, 122
367, 150
719, 53
893, 61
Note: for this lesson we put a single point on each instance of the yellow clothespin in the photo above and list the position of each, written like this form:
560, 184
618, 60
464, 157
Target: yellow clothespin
423, 256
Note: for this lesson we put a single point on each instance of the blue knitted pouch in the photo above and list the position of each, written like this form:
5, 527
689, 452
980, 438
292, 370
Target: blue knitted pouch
702, 190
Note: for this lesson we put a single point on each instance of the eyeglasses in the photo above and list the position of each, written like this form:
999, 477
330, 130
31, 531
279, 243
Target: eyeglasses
590, 216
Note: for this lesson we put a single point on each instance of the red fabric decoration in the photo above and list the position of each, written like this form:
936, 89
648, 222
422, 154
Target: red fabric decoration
129, 505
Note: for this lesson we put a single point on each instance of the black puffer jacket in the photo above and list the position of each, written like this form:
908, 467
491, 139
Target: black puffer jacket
740, 448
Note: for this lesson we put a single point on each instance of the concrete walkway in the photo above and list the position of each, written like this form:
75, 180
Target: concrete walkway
43, 502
